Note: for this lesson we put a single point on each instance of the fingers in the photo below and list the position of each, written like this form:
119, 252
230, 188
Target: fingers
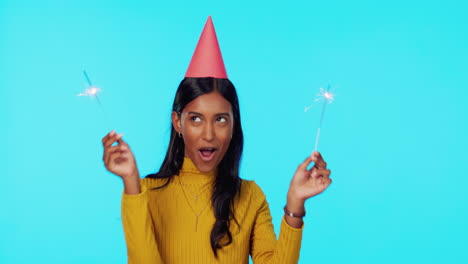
305, 164
104, 139
317, 173
315, 157
111, 138
318, 160
113, 153
116, 148
325, 182
117, 157
322, 181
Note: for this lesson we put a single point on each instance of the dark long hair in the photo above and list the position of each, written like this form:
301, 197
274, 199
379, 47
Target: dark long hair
227, 184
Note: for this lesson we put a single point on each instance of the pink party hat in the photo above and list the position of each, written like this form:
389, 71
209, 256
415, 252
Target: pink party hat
207, 60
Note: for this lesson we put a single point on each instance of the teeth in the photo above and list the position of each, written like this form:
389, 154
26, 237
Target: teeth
207, 149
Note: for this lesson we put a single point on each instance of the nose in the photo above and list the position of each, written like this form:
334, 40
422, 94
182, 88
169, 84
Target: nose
208, 132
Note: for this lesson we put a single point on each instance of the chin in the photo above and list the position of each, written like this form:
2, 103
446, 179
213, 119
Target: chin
205, 169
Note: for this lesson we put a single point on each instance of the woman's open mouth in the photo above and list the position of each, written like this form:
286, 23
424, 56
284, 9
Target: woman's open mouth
207, 154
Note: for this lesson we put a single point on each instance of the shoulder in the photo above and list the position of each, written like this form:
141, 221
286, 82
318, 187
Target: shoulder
251, 201
251, 190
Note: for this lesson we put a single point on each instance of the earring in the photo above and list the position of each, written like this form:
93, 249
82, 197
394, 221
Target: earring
180, 135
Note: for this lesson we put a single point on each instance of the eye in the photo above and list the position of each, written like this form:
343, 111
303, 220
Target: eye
195, 118
221, 119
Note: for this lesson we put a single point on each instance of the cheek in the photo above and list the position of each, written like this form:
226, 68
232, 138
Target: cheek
224, 135
190, 136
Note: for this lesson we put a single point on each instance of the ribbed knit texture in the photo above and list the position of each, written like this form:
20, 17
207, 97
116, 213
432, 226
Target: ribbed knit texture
161, 225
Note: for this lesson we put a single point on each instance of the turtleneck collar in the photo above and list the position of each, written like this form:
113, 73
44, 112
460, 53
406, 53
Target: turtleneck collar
191, 175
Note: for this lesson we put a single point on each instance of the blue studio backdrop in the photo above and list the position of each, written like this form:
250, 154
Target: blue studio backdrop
394, 138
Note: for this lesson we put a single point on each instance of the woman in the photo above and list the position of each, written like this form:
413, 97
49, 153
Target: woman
196, 209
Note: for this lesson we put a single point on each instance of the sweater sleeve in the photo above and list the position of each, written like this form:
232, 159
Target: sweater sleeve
265, 249
139, 229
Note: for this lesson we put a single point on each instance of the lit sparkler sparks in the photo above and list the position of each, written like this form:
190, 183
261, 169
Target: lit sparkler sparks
91, 91
325, 95
327, 98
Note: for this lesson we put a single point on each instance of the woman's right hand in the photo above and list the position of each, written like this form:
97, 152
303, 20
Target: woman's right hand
119, 159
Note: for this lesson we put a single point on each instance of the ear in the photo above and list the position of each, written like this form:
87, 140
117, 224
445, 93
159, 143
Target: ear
176, 122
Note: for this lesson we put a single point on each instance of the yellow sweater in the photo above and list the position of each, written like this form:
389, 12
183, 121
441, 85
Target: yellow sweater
161, 226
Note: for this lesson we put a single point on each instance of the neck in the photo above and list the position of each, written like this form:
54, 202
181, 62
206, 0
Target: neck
190, 174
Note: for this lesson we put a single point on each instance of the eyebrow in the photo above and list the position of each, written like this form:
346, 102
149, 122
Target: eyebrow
218, 114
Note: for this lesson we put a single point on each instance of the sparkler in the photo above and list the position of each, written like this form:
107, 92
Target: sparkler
91, 91
327, 98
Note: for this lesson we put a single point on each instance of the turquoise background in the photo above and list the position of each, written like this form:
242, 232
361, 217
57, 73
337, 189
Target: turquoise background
395, 137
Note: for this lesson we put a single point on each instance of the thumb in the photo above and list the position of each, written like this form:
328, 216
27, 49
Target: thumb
305, 164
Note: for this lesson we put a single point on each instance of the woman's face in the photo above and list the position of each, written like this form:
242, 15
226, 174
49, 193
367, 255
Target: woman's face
206, 125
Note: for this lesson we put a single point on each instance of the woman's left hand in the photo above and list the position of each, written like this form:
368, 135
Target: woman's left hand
308, 183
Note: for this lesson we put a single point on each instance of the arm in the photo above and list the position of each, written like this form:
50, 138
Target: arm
264, 246
139, 229
136, 218
304, 185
